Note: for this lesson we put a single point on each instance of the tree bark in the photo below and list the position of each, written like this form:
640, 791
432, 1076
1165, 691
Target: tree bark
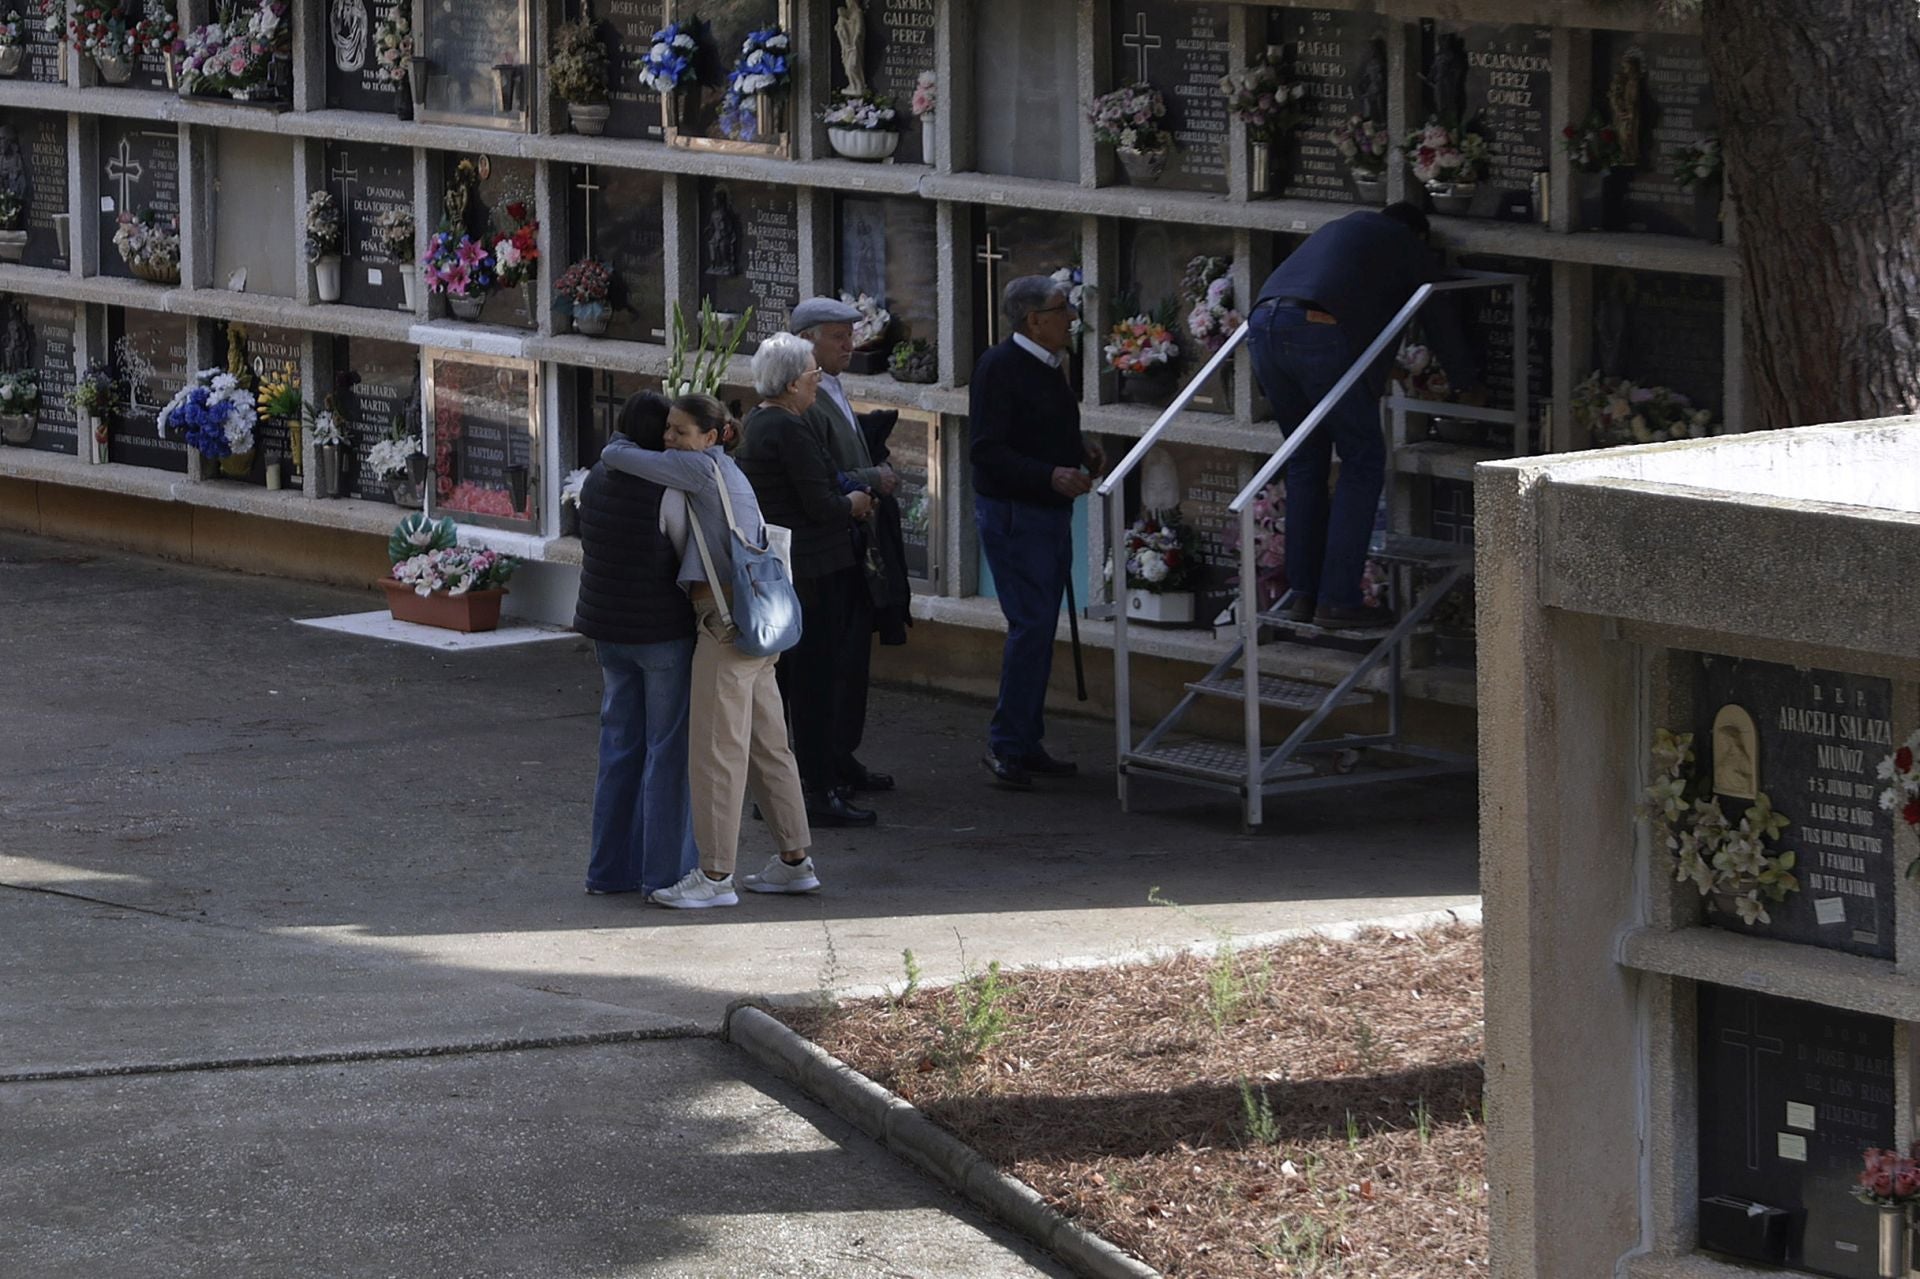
1820, 126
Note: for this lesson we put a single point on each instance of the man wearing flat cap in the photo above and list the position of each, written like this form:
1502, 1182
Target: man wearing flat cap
828, 324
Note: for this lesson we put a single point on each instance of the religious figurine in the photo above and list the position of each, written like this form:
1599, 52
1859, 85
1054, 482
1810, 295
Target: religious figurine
1370, 97
14, 177
723, 237
1447, 77
1610, 341
237, 353
1736, 754
347, 26
1623, 100
16, 347
851, 28
458, 196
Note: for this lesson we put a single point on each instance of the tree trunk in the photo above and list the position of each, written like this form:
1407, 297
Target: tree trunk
1820, 124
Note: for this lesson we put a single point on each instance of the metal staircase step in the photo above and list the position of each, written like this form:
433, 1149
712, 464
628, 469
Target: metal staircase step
1307, 630
1275, 690
1216, 761
1429, 552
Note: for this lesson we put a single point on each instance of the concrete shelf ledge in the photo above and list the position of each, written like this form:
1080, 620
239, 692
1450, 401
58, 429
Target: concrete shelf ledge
1785, 969
1695, 1267
210, 304
1443, 461
1215, 430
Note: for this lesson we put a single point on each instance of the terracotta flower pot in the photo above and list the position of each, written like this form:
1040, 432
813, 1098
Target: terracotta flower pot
474, 611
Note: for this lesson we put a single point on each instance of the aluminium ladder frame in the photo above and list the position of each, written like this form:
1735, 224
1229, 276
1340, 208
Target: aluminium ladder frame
1265, 773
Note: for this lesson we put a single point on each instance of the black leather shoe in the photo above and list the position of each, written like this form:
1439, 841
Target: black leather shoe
1299, 607
862, 778
832, 809
1008, 773
1334, 617
1041, 764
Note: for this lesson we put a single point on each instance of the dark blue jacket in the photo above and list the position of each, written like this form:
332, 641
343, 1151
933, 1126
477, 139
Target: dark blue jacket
1024, 421
1362, 269
628, 569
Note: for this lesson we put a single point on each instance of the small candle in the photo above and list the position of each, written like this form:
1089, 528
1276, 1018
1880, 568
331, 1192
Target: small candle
273, 475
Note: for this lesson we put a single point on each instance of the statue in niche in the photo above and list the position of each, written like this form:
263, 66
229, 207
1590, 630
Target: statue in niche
1736, 754
347, 28
14, 178
456, 202
1623, 100
1370, 95
1447, 77
723, 237
16, 346
1159, 484
851, 28
1610, 342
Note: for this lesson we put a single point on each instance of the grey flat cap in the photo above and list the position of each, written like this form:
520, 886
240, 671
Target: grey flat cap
821, 311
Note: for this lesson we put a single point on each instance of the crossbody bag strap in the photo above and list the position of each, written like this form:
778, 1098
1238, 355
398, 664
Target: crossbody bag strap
706, 562
726, 504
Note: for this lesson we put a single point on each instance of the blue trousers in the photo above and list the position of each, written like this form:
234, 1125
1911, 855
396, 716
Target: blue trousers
642, 811
1029, 547
1297, 363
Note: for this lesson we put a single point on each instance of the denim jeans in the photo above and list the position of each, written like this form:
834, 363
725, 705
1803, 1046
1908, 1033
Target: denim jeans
1297, 362
1029, 547
642, 811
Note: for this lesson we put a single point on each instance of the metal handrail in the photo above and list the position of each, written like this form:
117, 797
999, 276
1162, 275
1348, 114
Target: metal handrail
1173, 410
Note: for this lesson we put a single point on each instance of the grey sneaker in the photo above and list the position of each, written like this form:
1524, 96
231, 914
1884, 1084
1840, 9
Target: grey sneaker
696, 892
779, 877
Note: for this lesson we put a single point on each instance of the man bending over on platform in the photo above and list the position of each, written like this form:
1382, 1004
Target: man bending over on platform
1316, 314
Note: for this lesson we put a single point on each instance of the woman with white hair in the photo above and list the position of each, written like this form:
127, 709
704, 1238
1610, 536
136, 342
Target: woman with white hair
790, 464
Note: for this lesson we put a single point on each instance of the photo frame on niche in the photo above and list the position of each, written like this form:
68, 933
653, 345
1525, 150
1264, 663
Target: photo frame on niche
693, 118
477, 60
484, 429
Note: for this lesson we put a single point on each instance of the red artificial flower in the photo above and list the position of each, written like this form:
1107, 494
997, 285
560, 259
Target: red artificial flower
1903, 759
1567, 132
1912, 812
1173, 559
1608, 135
517, 211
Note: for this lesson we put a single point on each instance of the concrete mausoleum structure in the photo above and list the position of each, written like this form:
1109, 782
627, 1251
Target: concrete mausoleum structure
1673, 1091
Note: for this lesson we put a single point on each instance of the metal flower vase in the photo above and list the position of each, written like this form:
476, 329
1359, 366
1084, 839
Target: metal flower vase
1260, 176
328, 463
113, 69
1896, 1241
18, 428
1143, 167
11, 56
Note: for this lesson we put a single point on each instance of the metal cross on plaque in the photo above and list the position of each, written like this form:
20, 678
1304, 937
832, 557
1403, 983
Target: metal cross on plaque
586, 186
992, 257
1750, 1044
1140, 42
126, 171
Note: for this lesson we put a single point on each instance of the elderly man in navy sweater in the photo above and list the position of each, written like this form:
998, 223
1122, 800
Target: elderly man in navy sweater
1316, 313
1030, 463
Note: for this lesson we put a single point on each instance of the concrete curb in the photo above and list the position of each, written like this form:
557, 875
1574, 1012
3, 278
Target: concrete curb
901, 1128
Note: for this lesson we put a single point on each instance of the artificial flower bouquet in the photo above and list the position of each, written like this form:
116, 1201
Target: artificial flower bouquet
1593, 147
389, 457
1129, 118
516, 251
149, 244
213, 413
1617, 411
235, 55
864, 112
577, 67
764, 67
1720, 858
393, 47
157, 31
1439, 154
1262, 98
1208, 287
585, 283
455, 570
668, 61
1140, 345
324, 229
1163, 553
1696, 164
99, 31
1365, 145
394, 229
457, 267
1420, 374
871, 328
19, 393
926, 95
1889, 1179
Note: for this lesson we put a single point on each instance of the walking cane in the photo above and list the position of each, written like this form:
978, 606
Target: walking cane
1073, 629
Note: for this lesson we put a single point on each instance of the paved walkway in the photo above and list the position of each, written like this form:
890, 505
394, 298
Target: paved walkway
296, 976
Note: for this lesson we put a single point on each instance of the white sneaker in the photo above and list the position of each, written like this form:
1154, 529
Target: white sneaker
779, 877
696, 892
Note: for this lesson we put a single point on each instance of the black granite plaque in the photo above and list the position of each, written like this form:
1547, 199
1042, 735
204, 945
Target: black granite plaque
1487, 315
1676, 110
1181, 50
1010, 243
722, 27
1342, 58
368, 180
389, 375
139, 171
272, 353
750, 253
52, 325
464, 40
353, 69
42, 137
1821, 736
1662, 330
599, 393
627, 26
900, 45
1508, 96
152, 355
46, 53
888, 250
614, 214
507, 182
1791, 1094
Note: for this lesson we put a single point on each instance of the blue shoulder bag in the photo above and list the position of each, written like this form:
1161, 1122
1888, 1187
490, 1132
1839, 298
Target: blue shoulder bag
760, 602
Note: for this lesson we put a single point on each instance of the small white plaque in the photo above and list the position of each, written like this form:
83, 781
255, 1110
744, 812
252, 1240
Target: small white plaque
996, 197
1792, 1146
1830, 910
1800, 1115
375, 276
1842, 1245
106, 204
1299, 224
856, 182
1145, 210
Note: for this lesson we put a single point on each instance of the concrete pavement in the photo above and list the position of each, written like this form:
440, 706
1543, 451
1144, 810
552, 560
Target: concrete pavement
227, 839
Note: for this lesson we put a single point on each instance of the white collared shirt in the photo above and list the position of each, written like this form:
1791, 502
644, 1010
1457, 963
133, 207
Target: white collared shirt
1049, 358
838, 394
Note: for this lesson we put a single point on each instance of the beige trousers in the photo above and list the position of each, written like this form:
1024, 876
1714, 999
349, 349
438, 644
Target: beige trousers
737, 738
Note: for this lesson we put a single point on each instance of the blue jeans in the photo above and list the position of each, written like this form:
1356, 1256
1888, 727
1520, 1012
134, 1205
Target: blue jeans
1030, 549
1297, 363
642, 811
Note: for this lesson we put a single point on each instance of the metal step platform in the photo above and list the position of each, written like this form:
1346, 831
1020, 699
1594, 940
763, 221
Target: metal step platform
1275, 691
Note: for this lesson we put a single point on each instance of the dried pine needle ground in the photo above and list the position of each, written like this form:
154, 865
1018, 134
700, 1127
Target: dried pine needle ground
1305, 1109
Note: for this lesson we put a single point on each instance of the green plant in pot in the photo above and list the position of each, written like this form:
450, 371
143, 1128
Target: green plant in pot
19, 405
914, 360
578, 73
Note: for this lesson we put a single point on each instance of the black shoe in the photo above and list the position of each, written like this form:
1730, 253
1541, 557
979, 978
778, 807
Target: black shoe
862, 778
1333, 617
1299, 607
1041, 764
832, 809
1008, 773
